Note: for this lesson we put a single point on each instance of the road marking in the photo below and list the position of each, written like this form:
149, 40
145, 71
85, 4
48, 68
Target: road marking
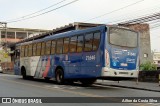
62, 87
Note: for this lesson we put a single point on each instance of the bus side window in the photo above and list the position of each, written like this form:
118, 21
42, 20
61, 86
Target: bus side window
43, 48
38, 49
22, 51
73, 44
80, 43
30, 50
34, 49
48, 47
59, 46
88, 42
26, 51
53, 47
96, 40
66, 44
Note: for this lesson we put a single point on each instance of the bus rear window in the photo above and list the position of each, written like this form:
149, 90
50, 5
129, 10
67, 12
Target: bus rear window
123, 37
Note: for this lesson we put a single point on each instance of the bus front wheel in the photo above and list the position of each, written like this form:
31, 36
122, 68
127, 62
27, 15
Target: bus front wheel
59, 76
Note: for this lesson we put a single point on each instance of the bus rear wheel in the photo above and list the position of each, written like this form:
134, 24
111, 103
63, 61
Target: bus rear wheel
59, 76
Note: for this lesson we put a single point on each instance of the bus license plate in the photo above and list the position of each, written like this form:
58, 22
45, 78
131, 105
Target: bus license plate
124, 64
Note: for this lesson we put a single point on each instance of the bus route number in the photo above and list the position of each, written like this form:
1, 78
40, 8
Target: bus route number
91, 57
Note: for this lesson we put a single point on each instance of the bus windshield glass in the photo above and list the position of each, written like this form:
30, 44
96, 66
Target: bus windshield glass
123, 37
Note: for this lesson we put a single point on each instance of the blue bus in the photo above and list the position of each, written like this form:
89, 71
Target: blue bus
103, 52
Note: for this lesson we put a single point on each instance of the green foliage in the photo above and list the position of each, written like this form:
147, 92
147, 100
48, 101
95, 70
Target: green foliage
148, 66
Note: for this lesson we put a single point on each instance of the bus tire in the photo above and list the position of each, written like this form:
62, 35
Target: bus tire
23, 73
87, 82
59, 76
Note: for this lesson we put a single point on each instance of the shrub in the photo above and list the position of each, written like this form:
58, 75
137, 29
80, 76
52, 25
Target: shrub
148, 66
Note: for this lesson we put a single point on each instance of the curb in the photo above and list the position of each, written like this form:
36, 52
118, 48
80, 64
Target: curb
129, 87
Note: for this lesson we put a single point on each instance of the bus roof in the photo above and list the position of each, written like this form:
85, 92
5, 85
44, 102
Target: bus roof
66, 34
74, 32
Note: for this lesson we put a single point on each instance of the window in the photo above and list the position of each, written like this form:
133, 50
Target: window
80, 43
11, 35
123, 37
38, 49
26, 51
43, 48
48, 47
3, 33
30, 50
73, 44
145, 55
34, 49
53, 47
88, 42
96, 40
22, 51
65, 47
59, 46
21, 35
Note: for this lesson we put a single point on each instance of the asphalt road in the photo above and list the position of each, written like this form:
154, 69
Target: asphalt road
15, 86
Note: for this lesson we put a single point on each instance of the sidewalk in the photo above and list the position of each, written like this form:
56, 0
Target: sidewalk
149, 86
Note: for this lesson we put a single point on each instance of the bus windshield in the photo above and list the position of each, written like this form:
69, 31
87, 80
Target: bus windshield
123, 37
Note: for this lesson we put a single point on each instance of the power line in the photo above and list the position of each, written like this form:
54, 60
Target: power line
44, 12
114, 11
133, 16
38, 11
143, 19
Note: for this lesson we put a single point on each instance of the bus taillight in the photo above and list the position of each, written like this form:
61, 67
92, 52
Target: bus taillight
107, 57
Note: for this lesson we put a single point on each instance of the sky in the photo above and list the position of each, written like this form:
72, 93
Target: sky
90, 11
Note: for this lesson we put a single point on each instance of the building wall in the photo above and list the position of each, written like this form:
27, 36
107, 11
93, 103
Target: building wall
145, 44
18, 34
156, 58
14, 35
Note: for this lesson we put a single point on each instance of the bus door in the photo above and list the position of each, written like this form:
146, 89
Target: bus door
17, 62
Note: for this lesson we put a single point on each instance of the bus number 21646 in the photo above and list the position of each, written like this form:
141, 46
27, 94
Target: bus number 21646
91, 57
